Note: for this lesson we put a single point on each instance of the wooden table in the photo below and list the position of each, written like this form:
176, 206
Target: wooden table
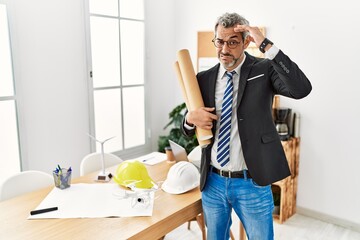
170, 211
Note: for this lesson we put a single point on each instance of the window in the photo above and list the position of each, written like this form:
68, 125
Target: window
9, 140
116, 66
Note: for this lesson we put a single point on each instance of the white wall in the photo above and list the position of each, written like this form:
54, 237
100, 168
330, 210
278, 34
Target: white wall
160, 57
48, 39
50, 67
321, 36
49, 48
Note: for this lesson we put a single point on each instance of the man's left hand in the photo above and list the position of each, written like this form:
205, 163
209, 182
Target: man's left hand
255, 35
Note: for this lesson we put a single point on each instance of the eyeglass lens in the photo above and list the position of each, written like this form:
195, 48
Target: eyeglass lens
220, 43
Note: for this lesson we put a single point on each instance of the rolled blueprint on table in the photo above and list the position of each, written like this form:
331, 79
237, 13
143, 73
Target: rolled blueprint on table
191, 91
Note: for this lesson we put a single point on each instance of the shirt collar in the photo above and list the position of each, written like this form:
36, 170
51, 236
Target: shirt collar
222, 70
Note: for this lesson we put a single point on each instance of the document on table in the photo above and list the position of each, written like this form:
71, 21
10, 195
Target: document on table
151, 158
96, 200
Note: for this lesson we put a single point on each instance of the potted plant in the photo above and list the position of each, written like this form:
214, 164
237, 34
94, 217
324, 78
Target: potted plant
176, 116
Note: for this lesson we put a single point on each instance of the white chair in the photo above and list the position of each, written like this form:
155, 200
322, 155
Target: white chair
92, 162
24, 182
195, 156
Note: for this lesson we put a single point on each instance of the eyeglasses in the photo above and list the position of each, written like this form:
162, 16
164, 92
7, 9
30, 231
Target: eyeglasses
220, 43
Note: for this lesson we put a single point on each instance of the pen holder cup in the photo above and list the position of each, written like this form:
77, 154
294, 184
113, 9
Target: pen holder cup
62, 179
169, 155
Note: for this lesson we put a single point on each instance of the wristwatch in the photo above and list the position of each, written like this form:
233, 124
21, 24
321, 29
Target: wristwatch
264, 44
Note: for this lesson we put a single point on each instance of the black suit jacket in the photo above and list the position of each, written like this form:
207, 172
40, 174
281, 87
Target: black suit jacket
260, 80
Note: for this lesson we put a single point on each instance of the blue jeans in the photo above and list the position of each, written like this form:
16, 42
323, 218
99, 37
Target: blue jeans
253, 204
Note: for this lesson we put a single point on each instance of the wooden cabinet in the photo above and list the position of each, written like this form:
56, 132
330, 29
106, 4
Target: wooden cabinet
287, 188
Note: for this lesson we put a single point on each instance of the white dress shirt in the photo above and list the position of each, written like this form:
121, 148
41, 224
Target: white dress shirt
237, 161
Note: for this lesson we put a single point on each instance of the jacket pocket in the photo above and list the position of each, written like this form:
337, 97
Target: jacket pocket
255, 77
269, 137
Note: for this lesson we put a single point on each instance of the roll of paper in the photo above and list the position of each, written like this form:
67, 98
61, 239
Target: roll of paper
181, 83
191, 91
202, 143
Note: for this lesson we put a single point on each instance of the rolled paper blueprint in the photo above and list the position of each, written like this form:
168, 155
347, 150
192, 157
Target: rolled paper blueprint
202, 143
181, 83
191, 91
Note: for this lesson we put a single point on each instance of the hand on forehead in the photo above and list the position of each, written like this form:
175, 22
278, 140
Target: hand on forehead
227, 33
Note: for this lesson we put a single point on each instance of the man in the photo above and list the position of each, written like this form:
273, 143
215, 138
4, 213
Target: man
245, 155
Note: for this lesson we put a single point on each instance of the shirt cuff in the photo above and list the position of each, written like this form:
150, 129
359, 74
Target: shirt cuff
187, 126
272, 52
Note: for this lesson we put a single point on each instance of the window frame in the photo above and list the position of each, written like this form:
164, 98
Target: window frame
125, 152
14, 97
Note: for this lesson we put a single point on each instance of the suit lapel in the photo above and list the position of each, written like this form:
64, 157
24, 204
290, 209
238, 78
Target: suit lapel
244, 73
212, 84
213, 73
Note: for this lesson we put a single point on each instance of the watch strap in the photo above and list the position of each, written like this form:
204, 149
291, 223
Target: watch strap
264, 44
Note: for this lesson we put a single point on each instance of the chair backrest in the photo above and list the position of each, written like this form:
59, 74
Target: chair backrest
92, 162
24, 182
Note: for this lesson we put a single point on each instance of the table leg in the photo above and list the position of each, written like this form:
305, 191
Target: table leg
201, 222
242, 232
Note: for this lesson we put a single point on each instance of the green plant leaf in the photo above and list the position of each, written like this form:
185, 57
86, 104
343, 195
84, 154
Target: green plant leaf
163, 142
176, 117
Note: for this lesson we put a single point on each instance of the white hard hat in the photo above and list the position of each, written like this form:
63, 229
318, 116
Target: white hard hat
182, 177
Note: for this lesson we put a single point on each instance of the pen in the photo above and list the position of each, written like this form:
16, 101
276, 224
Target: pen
43, 210
147, 159
60, 170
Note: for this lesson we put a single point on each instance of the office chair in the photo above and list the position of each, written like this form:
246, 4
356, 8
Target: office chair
24, 182
92, 162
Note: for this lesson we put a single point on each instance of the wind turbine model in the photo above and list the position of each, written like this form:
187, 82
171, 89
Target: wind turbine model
102, 176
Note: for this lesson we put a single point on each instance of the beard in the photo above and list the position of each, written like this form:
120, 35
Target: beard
230, 64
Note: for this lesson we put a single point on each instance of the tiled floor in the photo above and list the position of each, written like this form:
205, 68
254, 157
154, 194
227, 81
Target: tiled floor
298, 227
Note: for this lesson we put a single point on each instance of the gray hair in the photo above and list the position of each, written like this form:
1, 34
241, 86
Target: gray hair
230, 20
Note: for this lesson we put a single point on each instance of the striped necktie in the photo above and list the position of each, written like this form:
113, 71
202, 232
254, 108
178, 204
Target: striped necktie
223, 150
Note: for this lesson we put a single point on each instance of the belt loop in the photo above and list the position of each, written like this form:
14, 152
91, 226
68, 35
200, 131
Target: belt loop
245, 174
229, 174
